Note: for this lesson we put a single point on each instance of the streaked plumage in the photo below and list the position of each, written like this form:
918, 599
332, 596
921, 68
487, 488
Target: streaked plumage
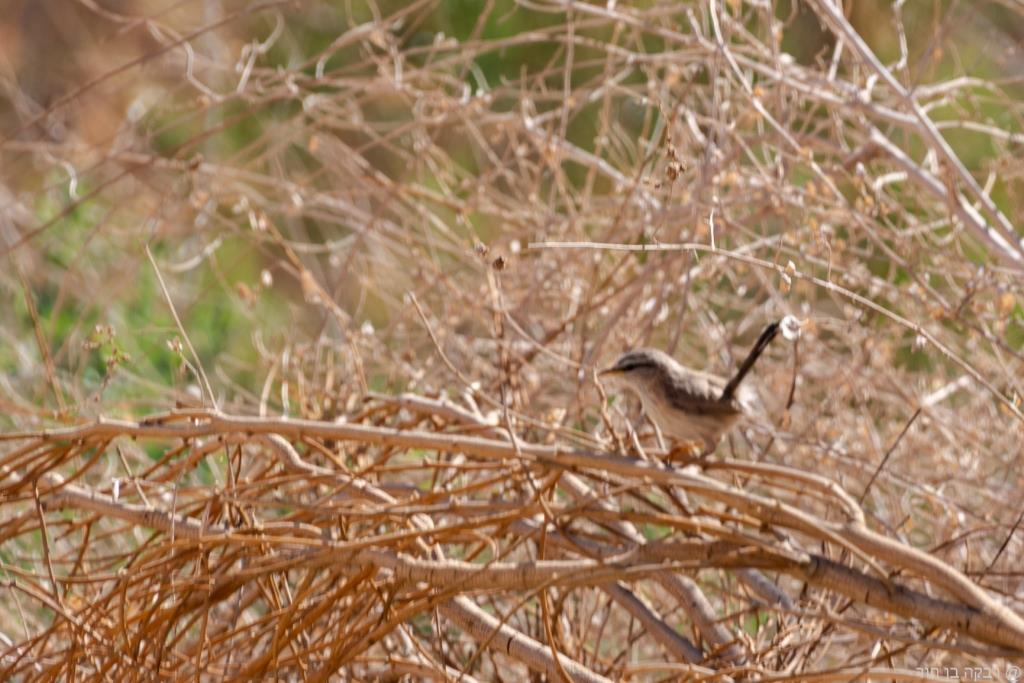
686, 404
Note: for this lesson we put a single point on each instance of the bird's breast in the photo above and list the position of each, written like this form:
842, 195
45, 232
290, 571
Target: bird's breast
690, 426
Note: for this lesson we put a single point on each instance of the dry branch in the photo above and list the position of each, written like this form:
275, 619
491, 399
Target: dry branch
409, 555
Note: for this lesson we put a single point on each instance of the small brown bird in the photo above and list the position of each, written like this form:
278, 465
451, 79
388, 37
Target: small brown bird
686, 404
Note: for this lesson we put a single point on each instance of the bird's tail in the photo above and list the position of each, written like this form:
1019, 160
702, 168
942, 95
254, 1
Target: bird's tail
762, 343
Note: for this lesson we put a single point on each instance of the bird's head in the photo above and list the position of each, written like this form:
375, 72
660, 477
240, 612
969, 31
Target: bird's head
637, 368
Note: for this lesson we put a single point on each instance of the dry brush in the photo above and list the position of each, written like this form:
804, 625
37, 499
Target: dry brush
421, 238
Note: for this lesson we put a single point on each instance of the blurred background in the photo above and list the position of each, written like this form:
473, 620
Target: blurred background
286, 207
298, 169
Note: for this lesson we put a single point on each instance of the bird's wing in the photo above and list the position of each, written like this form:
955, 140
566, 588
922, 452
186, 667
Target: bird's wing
698, 393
